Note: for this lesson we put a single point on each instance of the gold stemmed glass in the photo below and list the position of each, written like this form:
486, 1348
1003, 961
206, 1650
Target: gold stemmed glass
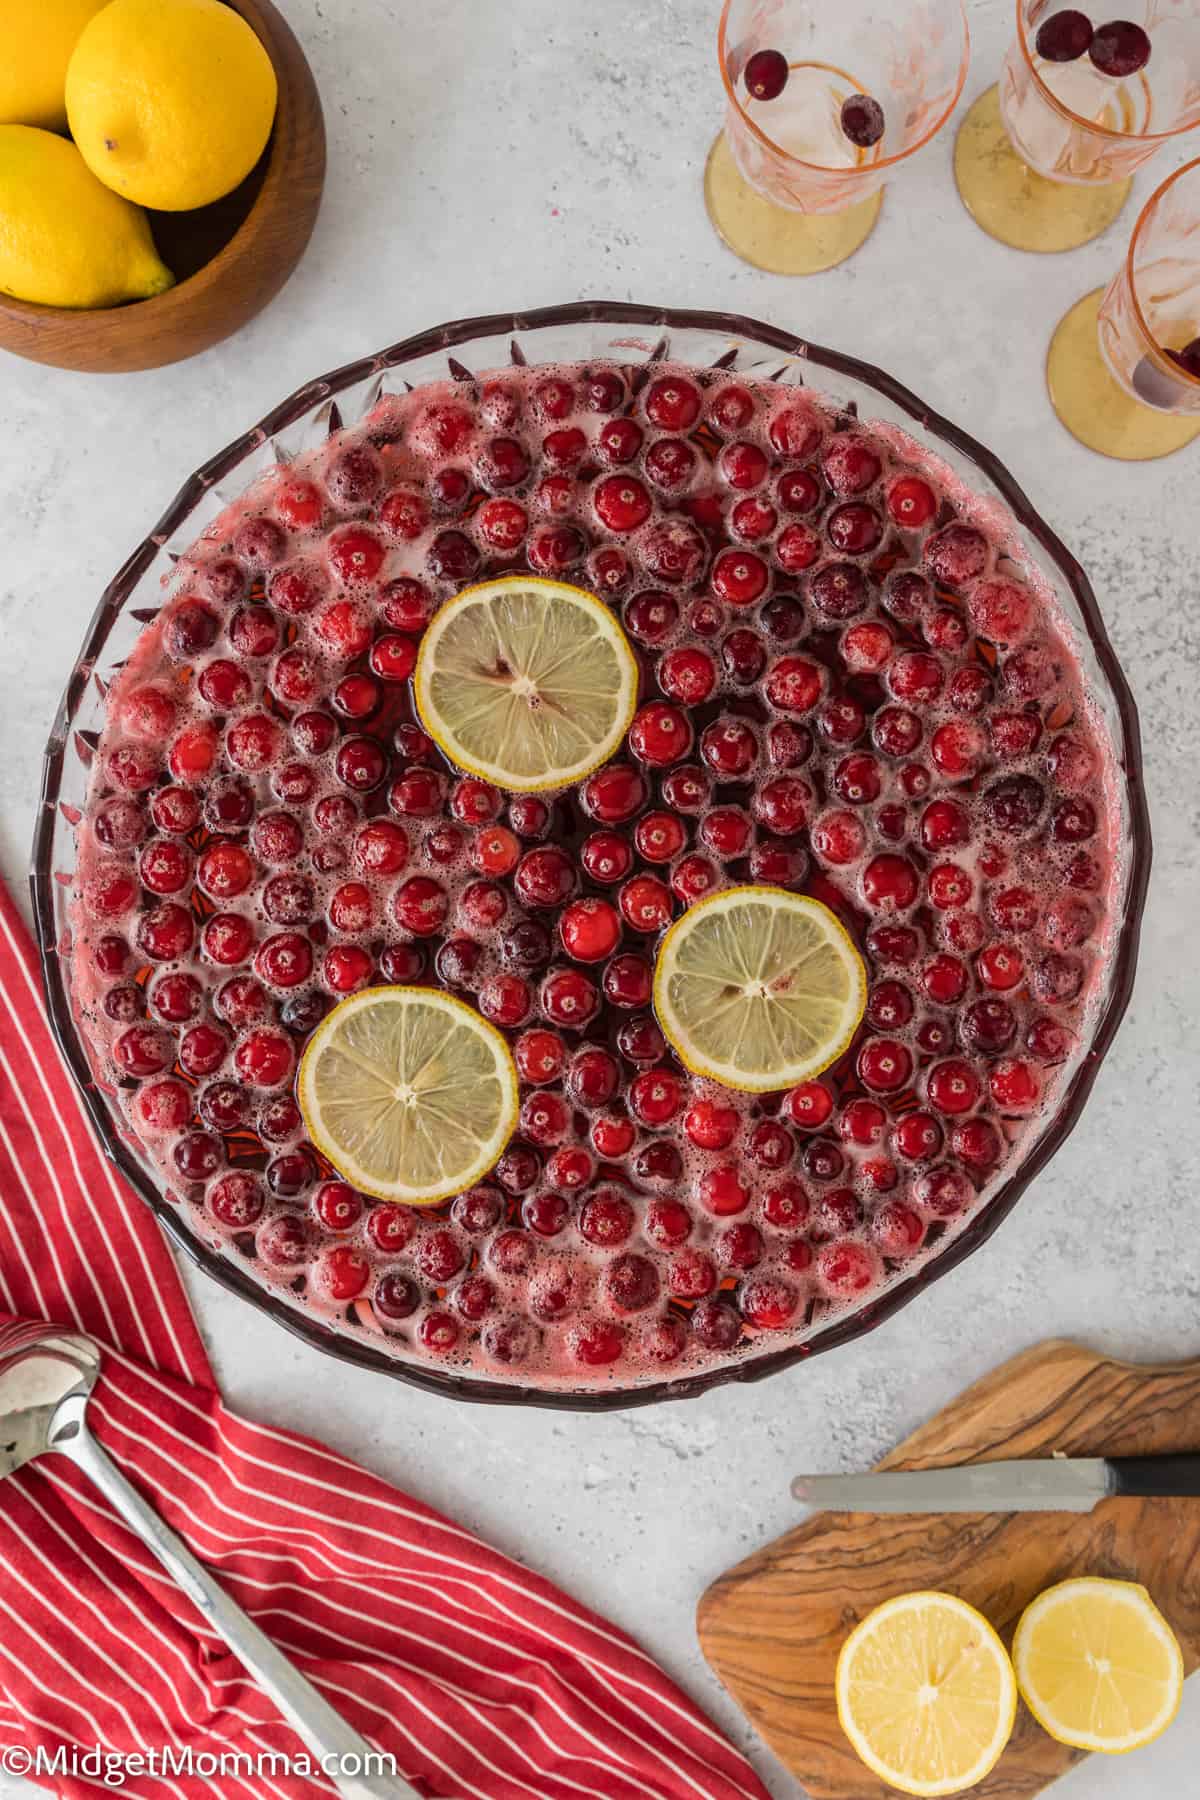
786, 188
1124, 364
1043, 160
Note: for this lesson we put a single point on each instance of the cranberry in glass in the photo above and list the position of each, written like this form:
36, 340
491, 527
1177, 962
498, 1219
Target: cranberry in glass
862, 120
766, 74
1120, 49
1064, 36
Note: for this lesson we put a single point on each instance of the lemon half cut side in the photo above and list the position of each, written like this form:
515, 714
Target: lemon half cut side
1098, 1665
926, 1694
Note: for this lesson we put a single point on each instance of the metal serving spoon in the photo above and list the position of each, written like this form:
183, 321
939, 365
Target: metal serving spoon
44, 1389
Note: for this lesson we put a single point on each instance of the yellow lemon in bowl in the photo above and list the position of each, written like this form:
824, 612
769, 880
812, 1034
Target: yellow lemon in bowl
66, 239
170, 101
39, 36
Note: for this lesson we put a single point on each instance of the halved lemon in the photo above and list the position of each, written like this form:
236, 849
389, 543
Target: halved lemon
528, 683
1098, 1665
926, 1693
759, 988
409, 1093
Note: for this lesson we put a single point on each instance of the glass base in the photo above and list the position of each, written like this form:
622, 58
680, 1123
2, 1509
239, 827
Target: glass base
1094, 407
1013, 202
772, 237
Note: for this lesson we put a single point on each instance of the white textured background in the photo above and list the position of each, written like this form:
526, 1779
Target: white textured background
486, 156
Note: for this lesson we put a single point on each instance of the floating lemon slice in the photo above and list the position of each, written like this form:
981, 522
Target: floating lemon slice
409, 1093
759, 988
1098, 1665
926, 1693
528, 683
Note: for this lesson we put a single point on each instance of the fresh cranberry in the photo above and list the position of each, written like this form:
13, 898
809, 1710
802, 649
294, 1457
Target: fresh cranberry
622, 503
342, 1273
674, 551
619, 441
1064, 36
670, 464
646, 903
911, 502
916, 678
889, 883
236, 1200
289, 900
395, 1296
739, 577
838, 590
571, 1167
672, 403
198, 1155
191, 628
659, 735
908, 597
884, 1065
743, 656
1014, 805
264, 1058
615, 793
656, 1095
854, 528
203, 1049
567, 997
847, 1268
956, 554
729, 747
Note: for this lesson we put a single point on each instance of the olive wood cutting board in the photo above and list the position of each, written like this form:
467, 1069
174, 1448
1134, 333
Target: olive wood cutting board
772, 1627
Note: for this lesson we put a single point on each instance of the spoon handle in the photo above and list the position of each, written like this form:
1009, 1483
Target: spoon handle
326, 1733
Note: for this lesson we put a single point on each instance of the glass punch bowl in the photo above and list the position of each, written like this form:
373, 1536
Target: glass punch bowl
632, 335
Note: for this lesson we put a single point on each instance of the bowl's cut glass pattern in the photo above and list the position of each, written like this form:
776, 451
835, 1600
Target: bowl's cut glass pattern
633, 335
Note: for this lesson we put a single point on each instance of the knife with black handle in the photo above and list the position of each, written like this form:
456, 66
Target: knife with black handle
1049, 1484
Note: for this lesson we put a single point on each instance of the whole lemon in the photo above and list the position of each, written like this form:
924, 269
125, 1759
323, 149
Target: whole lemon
38, 38
170, 101
66, 239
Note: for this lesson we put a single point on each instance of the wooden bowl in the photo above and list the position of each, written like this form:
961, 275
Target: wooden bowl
229, 259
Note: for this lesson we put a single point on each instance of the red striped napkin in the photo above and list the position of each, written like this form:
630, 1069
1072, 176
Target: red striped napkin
480, 1678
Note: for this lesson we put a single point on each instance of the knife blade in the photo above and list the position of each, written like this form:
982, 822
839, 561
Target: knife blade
1044, 1484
